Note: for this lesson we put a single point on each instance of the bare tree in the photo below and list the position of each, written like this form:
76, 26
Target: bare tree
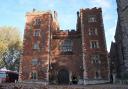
10, 47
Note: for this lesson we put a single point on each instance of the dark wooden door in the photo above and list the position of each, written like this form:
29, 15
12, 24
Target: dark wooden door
63, 77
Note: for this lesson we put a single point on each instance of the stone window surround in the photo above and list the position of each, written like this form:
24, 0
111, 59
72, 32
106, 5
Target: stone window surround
36, 32
95, 59
92, 18
34, 61
94, 44
34, 75
36, 45
66, 45
37, 21
93, 31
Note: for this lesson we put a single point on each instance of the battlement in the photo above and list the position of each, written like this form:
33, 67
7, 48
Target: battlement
38, 12
65, 33
91, 9
35, 12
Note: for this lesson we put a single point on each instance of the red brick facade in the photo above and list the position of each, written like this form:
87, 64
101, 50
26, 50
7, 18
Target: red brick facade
55, 55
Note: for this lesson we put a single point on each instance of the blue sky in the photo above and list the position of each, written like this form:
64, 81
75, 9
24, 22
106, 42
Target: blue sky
12, 13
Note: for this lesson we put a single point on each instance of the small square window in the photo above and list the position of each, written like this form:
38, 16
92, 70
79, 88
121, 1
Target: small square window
36, 32
36, 45
92, 18
96, 59
37, 21
93, 31
34, 62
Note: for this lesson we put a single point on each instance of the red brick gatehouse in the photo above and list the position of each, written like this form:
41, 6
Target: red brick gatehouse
61, 56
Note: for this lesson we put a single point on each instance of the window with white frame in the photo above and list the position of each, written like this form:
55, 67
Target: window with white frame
36, 32
94, 44
36, 45
93, 31
37, 21
96, 59
66, 45
34, 62
96, 62
91, 18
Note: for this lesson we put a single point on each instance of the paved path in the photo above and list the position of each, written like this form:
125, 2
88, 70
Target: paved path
41, 86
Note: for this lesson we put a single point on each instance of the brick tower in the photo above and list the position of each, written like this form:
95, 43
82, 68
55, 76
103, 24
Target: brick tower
95, 63
34, 64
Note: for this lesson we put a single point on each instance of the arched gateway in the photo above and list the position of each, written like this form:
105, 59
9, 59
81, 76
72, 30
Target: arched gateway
63, 76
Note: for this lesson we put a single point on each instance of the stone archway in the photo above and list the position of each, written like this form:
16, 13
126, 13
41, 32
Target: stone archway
63, 76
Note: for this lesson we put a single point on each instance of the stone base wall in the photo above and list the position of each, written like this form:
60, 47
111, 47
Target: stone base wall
80, 82
92, 81
34, 81
121, 82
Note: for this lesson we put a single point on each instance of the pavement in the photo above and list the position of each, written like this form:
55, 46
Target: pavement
42, 86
